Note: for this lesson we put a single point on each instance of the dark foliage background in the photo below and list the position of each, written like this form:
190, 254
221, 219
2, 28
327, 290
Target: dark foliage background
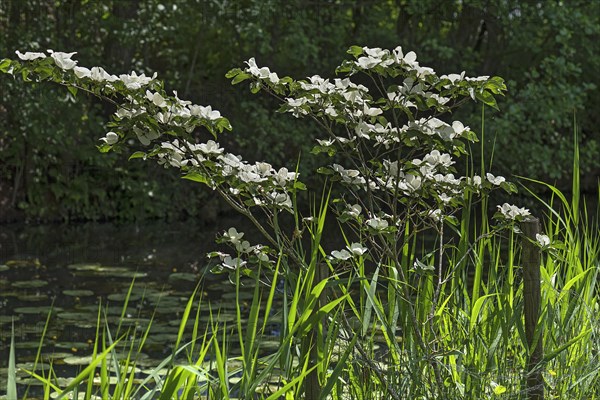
50, 169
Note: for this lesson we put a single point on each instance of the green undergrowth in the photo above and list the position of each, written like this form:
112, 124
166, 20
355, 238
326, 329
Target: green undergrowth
473, 328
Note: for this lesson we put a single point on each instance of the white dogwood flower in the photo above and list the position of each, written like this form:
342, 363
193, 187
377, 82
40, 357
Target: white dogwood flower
543, 240
357, 249
110, 138
341, 254
377, 223
233, 236
63, 60
511, 212
495, 180
28, 56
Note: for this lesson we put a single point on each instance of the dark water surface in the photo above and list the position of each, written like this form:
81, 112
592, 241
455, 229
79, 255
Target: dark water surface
66, 272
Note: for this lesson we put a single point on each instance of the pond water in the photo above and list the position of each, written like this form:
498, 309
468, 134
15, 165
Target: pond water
63, 274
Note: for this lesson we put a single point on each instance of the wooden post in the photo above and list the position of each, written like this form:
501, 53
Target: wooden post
531, 262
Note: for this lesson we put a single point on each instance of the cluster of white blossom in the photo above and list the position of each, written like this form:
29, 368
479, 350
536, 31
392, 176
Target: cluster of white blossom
352, 250
352, 105
244, 251
512, 212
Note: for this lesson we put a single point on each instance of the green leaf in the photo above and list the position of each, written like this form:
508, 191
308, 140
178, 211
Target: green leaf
233, 72
196, 177
487, 98
325, 171
496, 85
240, 78
299, 185
5, 65
72, 90
355, 51
255, 87
223, 123
104, 148
565, 346
475, 312
137, 154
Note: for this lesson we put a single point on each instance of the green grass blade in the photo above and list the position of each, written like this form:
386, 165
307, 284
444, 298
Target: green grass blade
565, 346
291, 384
338, 370
11, 388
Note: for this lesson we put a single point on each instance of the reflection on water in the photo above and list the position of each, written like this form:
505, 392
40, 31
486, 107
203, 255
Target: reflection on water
67, 272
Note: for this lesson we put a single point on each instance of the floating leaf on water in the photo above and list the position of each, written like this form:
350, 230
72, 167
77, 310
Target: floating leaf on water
246, 295
76, 316
268, 388
78, 360
270, 345
73, 346
27, 345
44, 310
182, 276
223, 317
78, 293
234, 364
159, 327
161, 338
3, 267
85, 266
235, 379
102, 270
34, 283
28, 381
23, 263
113, 380
128, 274
154, 297
5, 319
33, 297
121, 297
55, 357
81, 396
153, 371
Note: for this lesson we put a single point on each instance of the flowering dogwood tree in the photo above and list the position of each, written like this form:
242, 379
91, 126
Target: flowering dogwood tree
386, 124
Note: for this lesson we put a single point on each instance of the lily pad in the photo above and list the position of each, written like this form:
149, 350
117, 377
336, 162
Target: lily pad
38, 366
102, 270
85, 266
44, 310
121, 297
73, 346
78, 360
182, 276
160, 338
242, 295
76, 316
33, 297
78, 293
23, 263
270, 345
35, 283
27, 345
5, 319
